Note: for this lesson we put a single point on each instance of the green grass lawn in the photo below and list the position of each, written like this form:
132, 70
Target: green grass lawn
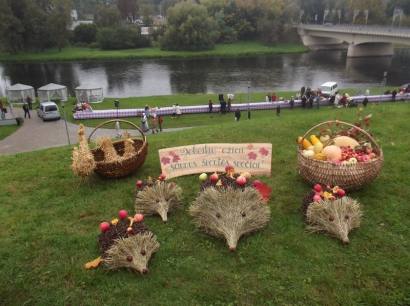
49, 227
7, 130
244, 48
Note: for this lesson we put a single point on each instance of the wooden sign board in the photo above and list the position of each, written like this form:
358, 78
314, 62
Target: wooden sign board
255, 158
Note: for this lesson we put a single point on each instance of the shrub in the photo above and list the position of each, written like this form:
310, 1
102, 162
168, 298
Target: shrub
189, 28
85, 33
124, 37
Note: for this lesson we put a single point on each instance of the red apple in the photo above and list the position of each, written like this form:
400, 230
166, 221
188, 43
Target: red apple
341, 192
317, 198
104, 226
139, 184
162, 177
241, 180
214, 178
122, 214
317, 188
138, 217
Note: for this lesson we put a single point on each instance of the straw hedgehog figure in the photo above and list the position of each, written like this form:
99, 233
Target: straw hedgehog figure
157, 197
125, 243
336, 217
133, 252
230, 213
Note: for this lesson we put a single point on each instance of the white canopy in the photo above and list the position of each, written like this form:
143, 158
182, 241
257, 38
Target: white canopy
52, 92
89, 94
18, 93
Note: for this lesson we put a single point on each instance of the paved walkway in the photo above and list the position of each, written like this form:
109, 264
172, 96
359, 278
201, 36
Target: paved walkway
36, 134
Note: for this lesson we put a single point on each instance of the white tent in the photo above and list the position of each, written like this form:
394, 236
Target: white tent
18, 93
90, 94
52, 92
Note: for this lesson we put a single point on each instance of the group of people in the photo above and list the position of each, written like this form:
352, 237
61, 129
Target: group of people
151, 117
82, 106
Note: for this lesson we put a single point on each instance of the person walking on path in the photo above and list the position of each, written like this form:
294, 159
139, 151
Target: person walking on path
210, 105
292, 102
229, 104
144, 123
237, 114
29, 102
26, 111
160, 122
3, 110
154, 121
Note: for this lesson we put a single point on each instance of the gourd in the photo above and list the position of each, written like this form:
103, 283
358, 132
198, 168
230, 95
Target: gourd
306, 143
318, 147
313, 139
308, 153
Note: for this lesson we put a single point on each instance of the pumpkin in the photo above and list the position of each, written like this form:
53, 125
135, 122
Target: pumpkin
345, 141
333, 153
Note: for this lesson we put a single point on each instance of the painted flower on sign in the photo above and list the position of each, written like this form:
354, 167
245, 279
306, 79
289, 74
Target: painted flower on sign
263, 151
165, 160
252, 155
176, 158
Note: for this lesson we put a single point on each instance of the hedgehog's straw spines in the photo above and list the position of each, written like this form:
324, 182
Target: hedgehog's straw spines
336, 217
133, 252
229, 213
158, 198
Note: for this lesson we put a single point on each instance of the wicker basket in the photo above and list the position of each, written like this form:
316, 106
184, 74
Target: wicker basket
126, 166
351, 176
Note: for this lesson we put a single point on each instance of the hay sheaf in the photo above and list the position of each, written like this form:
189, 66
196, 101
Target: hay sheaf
335, 217
83, 163
133, 252
230, 213
158, 198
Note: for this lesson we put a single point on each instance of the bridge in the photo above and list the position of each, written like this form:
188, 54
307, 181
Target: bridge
360, 40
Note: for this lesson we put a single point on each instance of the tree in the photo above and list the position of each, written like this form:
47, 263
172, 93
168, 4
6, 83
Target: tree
60, 19
106, 16
123, 37
85, 33
127, 8
189, 28
11, 28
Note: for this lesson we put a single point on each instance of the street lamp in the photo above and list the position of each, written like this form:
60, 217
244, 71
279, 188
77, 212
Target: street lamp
117, 124
249, 100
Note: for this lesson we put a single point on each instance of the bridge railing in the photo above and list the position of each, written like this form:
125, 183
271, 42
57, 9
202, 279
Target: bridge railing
360, 29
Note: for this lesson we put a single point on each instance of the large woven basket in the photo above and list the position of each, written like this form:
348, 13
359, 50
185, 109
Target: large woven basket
126, 166
351, 176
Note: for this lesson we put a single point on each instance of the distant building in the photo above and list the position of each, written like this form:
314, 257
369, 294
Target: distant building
75, 22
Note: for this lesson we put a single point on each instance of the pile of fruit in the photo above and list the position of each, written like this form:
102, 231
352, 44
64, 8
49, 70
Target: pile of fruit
340, 149
234, 180
320, 193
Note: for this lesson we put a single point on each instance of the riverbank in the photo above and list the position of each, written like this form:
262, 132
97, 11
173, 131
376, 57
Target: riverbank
238, 49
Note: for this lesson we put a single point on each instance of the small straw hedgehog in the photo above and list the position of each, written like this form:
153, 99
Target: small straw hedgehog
329, 210
125, 243
336, 217
229, 210
157, 197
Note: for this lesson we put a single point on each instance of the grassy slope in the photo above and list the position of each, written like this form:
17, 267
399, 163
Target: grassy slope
7, 130
50, 224
73, 53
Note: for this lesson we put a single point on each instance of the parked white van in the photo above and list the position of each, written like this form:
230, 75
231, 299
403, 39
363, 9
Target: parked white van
48, 111
328, 88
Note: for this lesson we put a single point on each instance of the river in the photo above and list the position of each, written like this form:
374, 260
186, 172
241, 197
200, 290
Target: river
126, 78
